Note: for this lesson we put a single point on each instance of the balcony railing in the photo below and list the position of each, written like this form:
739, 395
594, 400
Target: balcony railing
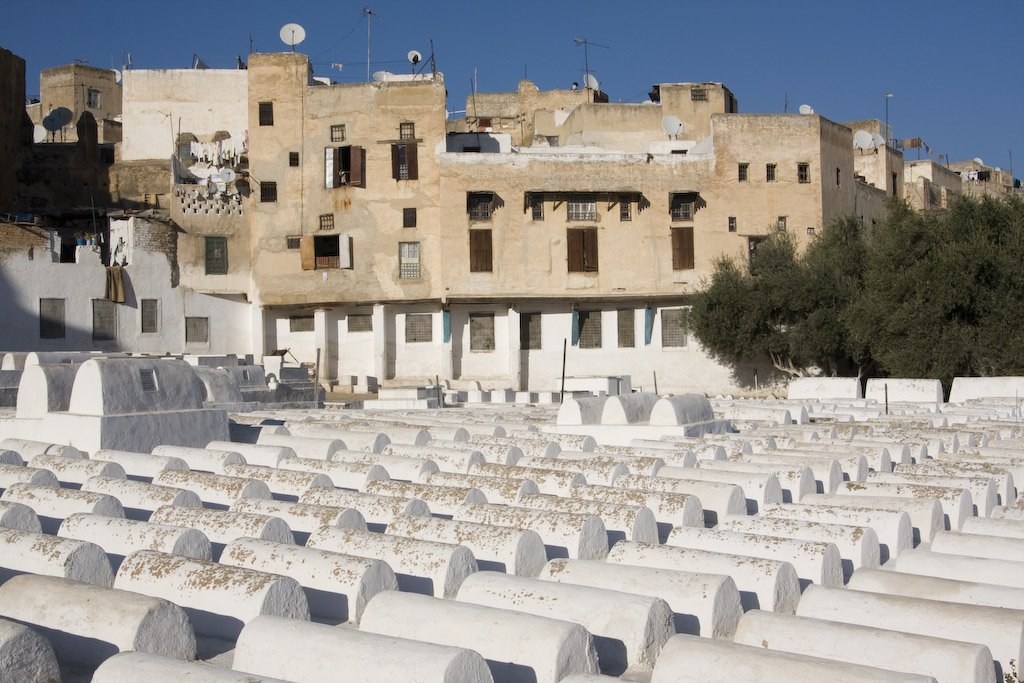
324, 262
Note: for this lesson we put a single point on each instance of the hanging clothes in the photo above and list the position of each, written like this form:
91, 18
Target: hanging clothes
115, 284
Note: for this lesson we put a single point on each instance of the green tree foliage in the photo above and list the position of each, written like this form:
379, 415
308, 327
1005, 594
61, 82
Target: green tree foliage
933, 296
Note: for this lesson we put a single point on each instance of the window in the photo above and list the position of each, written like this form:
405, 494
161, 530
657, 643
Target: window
529, 331
699, 95
839, 178
344, 166
408, 260
147, 378
894, 185
104, 320
407, 131
484, 123
625, 208
803, 173
329, 251
294, 241
626, 322
537, 207
150, 313
419, 328
197, 330
481, 259
589, 329
480, 205
216, 255
266, 113
338, 132
582, 247
327, 221
293, 159
682, 206
770, 174
582, 208
268, 191
675, 327
51, 318
732, 223
92, 98
360, 322
404, 162
752, 244
682, 248
481, 331
810, 232
780, 224
409, 217
742, 172
300, 323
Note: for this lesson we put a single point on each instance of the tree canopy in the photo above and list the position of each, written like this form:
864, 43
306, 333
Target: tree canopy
918, 295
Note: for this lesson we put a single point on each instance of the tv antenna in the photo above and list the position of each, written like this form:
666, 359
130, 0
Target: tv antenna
369, 14
292, 35
586, 56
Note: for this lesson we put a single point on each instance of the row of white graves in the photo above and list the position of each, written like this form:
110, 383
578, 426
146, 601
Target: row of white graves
487, 543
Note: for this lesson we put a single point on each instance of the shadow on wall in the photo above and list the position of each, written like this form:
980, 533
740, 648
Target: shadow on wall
23, 329
760, 377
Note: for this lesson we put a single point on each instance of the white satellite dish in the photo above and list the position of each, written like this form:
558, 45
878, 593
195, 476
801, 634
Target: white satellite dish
806, 109
591, 82
978, 161
117, 75
381, 76
292, 34
877, 140
227, 175
862, 140
672, 125
414, 57
39, 133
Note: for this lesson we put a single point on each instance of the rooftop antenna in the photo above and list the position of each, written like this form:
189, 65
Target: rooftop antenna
292, 34
586, 56
369, 14
785, 104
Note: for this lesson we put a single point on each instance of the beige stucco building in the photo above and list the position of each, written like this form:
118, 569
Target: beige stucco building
79, 88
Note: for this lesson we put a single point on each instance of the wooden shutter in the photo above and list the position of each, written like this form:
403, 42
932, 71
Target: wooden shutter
574, 245
355, 172
344, 251
307, 252
412, 160
480, 255
394, 161
330, 167
682, 248
590, 250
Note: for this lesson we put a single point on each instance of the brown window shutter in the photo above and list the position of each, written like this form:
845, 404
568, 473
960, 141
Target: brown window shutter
574, 243
590, 250
307, 252
412, 160
480, 255
394, 161
355, 174
682, 248
330, 167
362, 166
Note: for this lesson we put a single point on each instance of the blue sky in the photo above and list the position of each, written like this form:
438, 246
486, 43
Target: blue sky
956, 69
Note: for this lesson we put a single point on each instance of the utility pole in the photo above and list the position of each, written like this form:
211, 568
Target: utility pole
369, 14
888, 96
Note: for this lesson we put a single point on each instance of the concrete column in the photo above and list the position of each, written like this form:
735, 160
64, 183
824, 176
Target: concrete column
447, 369
321, 341
515, 367
380, 343
257, 331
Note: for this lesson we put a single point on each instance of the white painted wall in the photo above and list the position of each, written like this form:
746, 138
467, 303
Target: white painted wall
355, 349
424, 359
158, 104
23, 282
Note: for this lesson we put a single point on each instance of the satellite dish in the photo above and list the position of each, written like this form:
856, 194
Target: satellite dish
117, 75
414, 57
863, 140
39, 133
57, 119
877, 140
672, 125
381, 76
227, 175
978, 161
591, 82
806, 109
292, 34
